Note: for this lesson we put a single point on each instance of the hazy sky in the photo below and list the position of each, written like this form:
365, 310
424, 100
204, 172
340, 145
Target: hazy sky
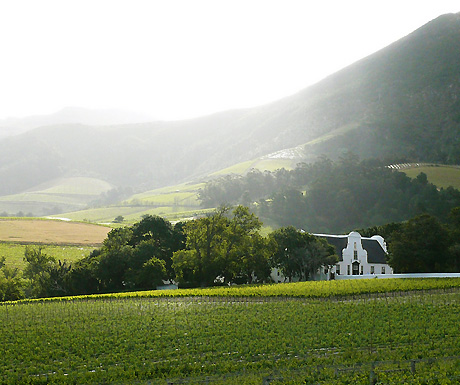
176, 59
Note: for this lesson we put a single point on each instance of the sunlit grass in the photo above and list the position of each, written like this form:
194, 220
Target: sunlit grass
440, 176
14, 253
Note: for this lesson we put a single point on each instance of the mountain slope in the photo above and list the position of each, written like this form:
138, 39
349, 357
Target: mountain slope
70, 115
403, 101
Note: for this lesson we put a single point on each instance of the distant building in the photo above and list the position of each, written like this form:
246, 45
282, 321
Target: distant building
357, 256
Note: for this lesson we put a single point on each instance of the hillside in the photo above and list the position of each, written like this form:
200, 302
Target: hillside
440, 176
69, 115
401, 102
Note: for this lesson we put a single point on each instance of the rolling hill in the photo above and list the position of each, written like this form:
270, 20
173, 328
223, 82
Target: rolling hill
402, 102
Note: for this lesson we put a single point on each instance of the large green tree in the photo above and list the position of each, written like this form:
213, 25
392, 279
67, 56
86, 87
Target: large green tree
421, 246
224, 246
47, 276
12, 284
134, 258
299, 254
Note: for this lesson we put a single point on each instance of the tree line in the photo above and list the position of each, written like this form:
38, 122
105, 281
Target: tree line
221, 248
332, 197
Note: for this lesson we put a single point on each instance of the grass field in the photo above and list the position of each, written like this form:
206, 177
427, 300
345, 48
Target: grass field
14, 253
63, 240
51, 232
408, 336
132, 214
441, 176
173, 202
261, 164
63, 193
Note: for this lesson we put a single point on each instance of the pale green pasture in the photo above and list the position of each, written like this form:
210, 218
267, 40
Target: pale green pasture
67, 191
103, 214
184, 187
239, 168
14, 253
77, 186
440, 176
132, 214
173, 198
183, 196
261, 164
273, 164
39, 197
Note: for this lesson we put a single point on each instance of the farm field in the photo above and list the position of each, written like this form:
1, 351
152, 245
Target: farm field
407, 336
63, 193
51, 232
440, 176
14, 253
173, 203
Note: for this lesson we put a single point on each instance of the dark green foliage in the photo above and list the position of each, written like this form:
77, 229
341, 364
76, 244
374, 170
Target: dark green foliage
338, 196
47, 276
223, 247
399, 102
12, 283
421, 246
299, 254
131, 258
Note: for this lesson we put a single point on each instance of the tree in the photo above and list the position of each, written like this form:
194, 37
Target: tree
46, 275
11, 283
136, 257
299, 254
454, 227
204, 246
421, 246
154, 236
119, 219
223, 246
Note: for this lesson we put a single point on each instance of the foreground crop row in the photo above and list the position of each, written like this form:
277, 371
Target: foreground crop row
230, 339
310, 289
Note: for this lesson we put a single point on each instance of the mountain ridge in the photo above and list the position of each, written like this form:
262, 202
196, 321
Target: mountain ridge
400, 102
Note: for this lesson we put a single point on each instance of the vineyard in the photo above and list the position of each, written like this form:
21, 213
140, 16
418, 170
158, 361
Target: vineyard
406, 336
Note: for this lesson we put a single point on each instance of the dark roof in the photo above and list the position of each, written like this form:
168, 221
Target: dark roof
375, 253
338, 243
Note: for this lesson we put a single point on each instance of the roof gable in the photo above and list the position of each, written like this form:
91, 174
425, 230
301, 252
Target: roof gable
375, 252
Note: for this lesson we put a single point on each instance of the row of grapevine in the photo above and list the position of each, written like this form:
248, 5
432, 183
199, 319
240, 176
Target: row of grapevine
310, 289
139, 338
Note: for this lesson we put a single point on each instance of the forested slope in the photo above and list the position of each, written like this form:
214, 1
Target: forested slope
402, 101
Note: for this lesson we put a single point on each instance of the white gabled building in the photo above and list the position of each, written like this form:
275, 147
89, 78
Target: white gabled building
358, 255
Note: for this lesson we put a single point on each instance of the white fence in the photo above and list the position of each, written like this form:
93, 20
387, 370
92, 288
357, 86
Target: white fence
411, 275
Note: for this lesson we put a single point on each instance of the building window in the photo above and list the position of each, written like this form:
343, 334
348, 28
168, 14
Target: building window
372, 270
362, 270
355, 254
383, 269
325, 271
337, 269
348, 269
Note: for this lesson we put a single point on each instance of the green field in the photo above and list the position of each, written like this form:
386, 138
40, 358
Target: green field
68, 241
261, 164
62, 194
14, 253
440, 176
173, 202
408, 336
